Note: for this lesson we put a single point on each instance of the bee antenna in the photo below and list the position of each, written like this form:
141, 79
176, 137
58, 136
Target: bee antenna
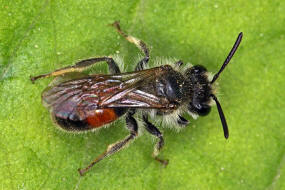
229, 57
222, 116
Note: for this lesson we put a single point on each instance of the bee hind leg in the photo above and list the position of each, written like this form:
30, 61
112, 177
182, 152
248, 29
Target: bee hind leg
80, 66
154, 131
113, 148
139, 43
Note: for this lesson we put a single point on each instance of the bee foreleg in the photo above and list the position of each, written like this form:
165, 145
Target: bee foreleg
182, 121
179, 63
154, 131
80, 66
113, 148
139, 43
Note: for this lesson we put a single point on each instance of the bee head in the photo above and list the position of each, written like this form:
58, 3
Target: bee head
201, 88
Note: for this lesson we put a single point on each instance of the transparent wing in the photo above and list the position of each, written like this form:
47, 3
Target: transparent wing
78, 98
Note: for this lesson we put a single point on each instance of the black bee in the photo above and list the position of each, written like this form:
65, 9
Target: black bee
81, 103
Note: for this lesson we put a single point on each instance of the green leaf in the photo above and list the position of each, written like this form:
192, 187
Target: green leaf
40, 36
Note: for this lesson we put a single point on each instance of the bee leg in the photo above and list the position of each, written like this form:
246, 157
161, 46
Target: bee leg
154, 131
182, 121
113, 148
179, 63
80, 66
139, 43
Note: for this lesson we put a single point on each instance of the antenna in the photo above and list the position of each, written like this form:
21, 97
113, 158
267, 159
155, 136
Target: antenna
231, 54
222, 116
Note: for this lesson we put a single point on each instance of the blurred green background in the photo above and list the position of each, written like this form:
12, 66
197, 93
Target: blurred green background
40, 36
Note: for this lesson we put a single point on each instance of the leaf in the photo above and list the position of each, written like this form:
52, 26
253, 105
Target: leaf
39, 36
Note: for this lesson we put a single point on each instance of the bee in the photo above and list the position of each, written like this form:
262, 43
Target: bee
89, 102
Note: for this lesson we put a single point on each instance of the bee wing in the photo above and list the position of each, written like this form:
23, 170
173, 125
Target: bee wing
78, 98
138, 99
62, 99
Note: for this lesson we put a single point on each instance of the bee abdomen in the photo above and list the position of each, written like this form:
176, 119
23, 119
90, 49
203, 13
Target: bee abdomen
98, 118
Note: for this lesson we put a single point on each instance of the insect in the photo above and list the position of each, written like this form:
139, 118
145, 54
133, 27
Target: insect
89, 102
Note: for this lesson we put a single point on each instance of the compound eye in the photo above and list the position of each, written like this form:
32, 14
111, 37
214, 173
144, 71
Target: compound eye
198, 69
200, 109
203, 109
